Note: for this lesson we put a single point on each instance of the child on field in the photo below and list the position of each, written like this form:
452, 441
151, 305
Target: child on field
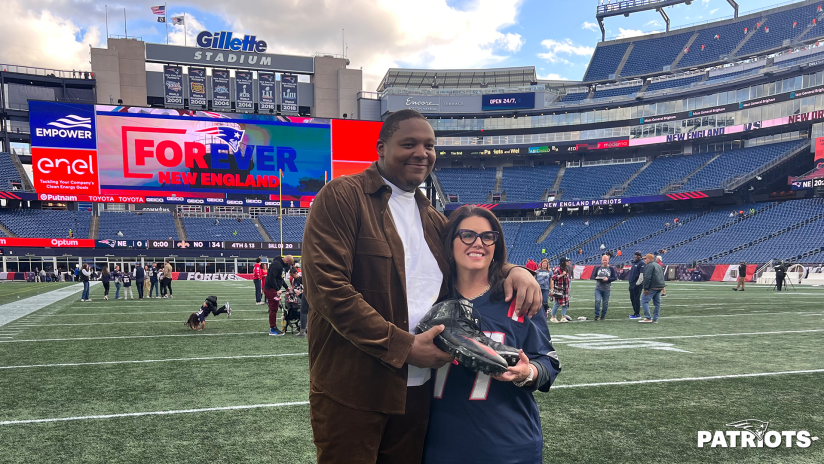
127, 285
197, 321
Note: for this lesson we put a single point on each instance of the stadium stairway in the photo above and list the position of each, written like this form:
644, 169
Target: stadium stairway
621, 188
548, 230
629, 245
624, 59
24, 178
439, 188
262, 230
181, 229
6, 231
590, 239
764, 238
674, 63
681, 182
94, 227
557, 184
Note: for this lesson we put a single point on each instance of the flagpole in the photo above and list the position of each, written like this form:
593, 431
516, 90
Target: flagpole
125, 32
107, 23
184, 28
166, 22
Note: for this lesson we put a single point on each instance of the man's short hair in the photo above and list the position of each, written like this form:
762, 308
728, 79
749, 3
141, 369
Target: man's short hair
649, 256
393, 122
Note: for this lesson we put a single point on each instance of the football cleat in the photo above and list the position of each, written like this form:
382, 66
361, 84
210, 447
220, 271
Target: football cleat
462, 338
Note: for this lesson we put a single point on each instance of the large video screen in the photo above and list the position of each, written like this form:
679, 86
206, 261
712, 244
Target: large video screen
113, 150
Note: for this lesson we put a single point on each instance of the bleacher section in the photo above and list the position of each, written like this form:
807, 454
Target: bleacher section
605, 61
734, 74
616, 92
8, 172
46, 223
594, 181
136, 226
207, 229
471, 185
784, 246
293, 227
574, 97
732, 164
664, 171
567, 233
650, 55
522, 183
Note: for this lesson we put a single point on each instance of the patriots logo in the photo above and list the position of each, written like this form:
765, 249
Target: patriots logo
110, 243
230, 135
757, 427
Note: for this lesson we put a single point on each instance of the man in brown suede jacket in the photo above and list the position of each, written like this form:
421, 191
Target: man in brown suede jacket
373, 264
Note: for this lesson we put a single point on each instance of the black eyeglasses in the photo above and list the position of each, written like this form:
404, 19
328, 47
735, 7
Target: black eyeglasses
468, 237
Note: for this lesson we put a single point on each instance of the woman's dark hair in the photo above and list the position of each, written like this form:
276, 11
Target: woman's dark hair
193, 321
496, 274
105, 270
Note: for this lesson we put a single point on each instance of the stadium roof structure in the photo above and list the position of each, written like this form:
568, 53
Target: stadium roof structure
627, 7
458, 78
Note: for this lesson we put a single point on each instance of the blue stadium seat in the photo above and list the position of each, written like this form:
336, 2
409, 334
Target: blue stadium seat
8, 173
663, 171
471, 185
137, 226
206, 229
616, 92
574, 97
672, 83
587, 183
292, 227
46, 223
780, 27
605, 61
651, 55
522, 183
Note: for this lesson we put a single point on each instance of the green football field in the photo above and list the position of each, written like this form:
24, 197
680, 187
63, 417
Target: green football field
126, 381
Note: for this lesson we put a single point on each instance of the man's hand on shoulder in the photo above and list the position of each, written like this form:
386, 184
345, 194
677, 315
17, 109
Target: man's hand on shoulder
522, 283
424, 353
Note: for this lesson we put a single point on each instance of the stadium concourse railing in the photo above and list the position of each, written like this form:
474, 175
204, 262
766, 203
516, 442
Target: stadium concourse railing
45, 72
732, 184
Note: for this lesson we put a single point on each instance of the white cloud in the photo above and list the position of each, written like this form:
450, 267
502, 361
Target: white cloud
191, 29
590, 26
42, 39
713, 11
564, 47
653, 23
552, 77
705, 2
626, 33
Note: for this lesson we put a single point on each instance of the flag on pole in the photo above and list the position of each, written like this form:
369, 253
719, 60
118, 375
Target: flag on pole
161, 19
159, 10
177, 20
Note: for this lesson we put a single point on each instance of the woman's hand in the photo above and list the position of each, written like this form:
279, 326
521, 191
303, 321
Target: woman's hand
516, 373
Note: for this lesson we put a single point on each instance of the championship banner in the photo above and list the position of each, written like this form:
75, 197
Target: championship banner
173, 86
221, 96
266, 92
244, 101
197, 88
288, 93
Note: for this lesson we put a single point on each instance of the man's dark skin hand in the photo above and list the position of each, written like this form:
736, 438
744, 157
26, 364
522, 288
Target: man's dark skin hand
424, 353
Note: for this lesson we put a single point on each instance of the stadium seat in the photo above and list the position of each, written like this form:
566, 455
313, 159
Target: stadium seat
471, 185
206, 229
46, 223
523, 183
605, 61
594, 181
137, 226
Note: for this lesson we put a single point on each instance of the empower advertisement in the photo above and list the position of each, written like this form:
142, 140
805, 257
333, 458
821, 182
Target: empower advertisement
289, 93
266, 92
244, 102
173, 86
221, 96
168, 153
197, 88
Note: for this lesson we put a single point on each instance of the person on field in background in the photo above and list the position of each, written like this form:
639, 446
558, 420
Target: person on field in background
531, 265
264, 271
85, 275
167, 278
197, 320
146, 282
139, 277
106, 278
742, 276
653, 285
154, 280
257, 278
272, 287
127, 285
542, 275
373, 266
116, 277
605, 275
636, 280
660, 260
559, 290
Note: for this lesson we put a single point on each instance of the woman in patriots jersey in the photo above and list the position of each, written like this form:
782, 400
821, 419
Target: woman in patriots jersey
469, 408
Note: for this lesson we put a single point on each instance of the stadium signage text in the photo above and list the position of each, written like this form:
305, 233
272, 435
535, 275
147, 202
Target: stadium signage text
695, 135
754, 433
223, 41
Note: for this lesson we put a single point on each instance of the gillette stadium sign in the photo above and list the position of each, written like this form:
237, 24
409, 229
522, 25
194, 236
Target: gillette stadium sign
224, 49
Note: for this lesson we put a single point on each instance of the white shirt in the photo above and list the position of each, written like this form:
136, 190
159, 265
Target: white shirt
423, 276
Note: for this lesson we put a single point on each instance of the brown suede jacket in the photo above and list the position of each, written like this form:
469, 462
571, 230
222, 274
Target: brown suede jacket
354, 280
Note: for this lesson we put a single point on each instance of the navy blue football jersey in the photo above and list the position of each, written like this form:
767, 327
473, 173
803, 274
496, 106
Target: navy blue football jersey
475, 418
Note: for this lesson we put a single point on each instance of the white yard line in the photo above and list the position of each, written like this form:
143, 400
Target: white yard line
697, 336
145, 322
147, 361
302, 403
259, 332
12, 311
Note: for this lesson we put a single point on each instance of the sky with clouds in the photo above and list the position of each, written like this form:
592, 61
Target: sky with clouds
556, 36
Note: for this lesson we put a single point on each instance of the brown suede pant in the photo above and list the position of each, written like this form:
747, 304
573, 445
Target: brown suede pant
346, 435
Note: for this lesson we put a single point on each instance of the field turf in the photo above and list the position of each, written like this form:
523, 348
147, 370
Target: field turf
126, 381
